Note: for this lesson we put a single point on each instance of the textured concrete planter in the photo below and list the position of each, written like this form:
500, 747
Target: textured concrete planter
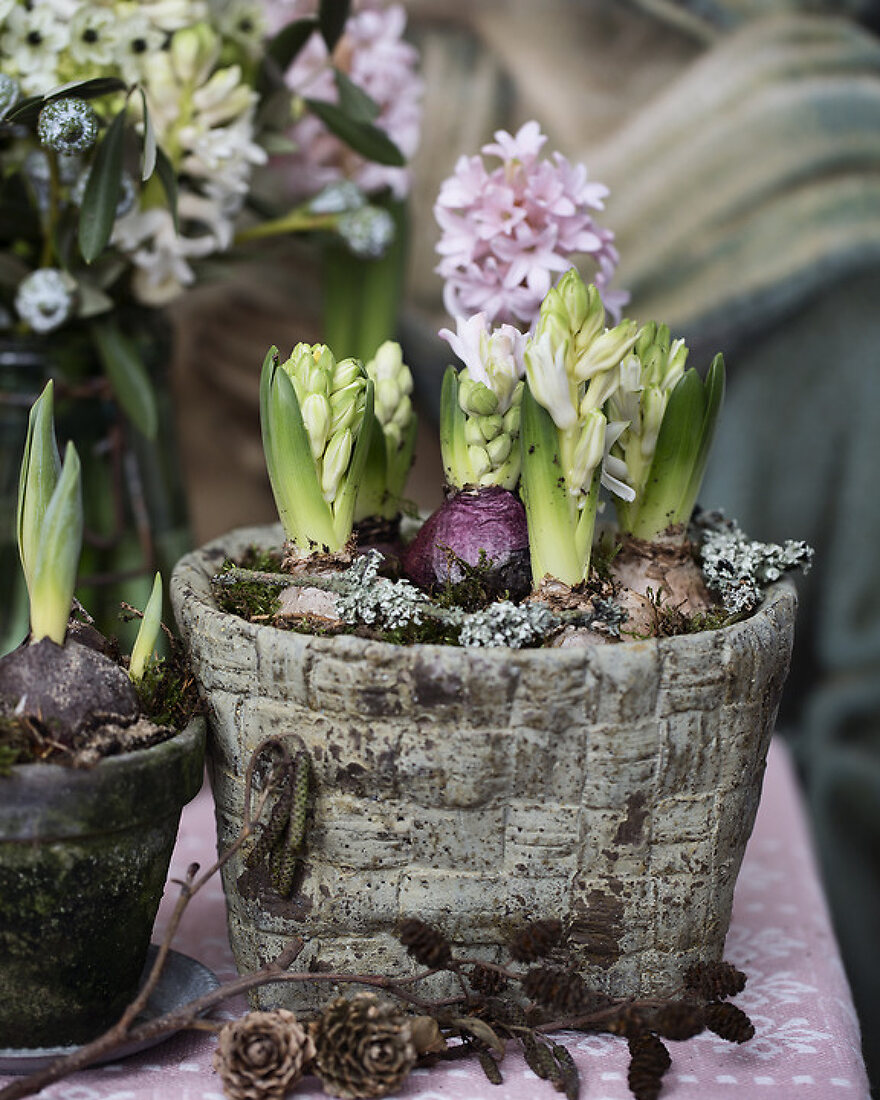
83, 860
613, 786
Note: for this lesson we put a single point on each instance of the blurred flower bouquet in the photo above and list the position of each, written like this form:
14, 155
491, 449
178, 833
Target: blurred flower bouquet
129, 138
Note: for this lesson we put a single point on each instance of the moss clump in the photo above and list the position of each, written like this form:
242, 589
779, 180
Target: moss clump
670, 621
249, 599
477, 587
167, 691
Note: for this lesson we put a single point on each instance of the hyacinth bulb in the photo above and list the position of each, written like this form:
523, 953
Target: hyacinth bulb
480, 527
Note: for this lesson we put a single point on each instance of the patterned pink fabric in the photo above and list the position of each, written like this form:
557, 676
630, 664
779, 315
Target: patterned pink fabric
807, 1037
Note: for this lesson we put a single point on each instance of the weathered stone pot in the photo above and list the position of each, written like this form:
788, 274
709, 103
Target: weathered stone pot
83, 860
613, 786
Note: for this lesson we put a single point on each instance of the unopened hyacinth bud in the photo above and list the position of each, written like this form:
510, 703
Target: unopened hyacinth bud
9, 93
45, 299
482, 449
340, 197
67, 125
194, 51
368, 231
648, 375
394, 385
331, 398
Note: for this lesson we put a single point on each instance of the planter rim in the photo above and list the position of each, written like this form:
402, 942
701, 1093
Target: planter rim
45, 792
192, 574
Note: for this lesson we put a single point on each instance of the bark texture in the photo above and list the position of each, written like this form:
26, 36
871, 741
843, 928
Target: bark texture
612, 787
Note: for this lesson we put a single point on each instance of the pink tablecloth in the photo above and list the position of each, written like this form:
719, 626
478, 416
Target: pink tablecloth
807, 1037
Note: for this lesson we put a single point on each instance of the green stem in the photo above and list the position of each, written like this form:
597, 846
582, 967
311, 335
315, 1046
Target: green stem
361, 296
48, 253
300, 220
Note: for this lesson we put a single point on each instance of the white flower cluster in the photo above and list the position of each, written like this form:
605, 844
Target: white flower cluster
739, 569
201, 106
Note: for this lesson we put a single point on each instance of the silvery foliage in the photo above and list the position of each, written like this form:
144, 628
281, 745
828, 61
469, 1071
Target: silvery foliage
739, 569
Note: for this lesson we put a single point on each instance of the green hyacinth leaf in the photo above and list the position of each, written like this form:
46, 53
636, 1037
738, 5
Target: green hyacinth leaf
549, 509
346, 498
40, 469
127, 375
54, 578
304, 514
148, 632
713, 390
678, 444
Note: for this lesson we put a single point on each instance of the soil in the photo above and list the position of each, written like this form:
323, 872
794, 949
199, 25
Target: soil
70, 704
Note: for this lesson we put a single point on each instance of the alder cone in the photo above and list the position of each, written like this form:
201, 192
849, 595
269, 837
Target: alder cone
364, 1047
262, 1055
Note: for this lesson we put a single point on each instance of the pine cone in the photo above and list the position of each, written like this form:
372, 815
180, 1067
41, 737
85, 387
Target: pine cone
262, 1055
715, 981
364, 1047
650, 1060
536, 940
426, 945
486, 980
679, 1020
730, 1023
562, 990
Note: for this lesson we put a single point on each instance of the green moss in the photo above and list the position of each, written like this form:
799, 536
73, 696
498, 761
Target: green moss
476, 589
167, 691
249, 599
260, 560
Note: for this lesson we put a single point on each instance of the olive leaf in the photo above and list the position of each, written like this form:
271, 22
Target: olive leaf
281, 50
101, 198
332, 16
127, 376
26, 110
353, 100
148, 161
362, 137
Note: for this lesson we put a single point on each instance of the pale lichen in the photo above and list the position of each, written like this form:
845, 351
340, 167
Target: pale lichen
365, 597
738, 568
508, 624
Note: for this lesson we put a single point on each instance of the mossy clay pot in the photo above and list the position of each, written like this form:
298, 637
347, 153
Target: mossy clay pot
84, 854
612, 786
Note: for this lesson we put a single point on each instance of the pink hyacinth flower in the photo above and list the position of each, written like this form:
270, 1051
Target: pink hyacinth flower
509, 232
374, 55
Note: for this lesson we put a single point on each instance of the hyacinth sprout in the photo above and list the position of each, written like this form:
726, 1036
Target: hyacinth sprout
144, 648
49, 523
480, 405
393, 435
670, 415
317, 420
572, 367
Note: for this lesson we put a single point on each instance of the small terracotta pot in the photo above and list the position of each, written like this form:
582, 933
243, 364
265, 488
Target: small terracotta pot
613, 787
